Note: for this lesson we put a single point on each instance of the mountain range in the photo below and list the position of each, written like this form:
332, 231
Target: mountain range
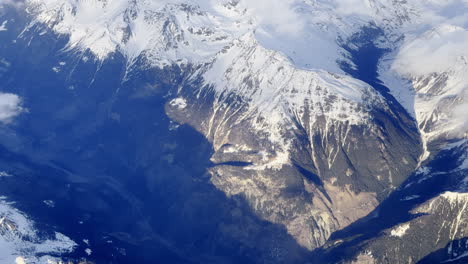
202, 131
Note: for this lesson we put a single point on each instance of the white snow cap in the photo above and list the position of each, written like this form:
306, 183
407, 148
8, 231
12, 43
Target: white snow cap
166, 31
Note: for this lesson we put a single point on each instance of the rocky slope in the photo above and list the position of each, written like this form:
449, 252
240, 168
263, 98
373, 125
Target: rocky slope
297, 129
288, 140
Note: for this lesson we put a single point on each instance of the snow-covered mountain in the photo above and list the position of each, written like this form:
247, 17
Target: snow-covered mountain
302, 124
195, 31
309, 34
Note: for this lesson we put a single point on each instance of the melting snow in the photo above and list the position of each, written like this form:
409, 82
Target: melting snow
180, 103
400, 230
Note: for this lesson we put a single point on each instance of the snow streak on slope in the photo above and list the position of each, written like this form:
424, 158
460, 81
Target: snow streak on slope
21, 243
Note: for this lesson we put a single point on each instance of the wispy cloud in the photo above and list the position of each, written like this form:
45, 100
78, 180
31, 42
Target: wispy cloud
279, 15
353, 7
437, 44
15, 3
435, 51
10, 107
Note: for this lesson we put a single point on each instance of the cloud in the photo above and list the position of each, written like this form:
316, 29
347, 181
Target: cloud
437, 40
459, 115
277, 15
435, 12
14, 3
353, 7
10, 107
437, 44
435, 51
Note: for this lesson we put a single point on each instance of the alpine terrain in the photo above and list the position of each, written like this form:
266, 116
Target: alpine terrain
233, 131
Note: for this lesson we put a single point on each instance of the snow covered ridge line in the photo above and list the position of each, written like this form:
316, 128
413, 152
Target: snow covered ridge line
20, 243
177, 31
165, 32
198, 31
219, 34
169, 31
201, 31
278, 96
271, 83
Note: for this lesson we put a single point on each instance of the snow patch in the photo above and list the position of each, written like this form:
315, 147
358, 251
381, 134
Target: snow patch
180, 103
20, 260
400, 231
455, 197
277, 162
